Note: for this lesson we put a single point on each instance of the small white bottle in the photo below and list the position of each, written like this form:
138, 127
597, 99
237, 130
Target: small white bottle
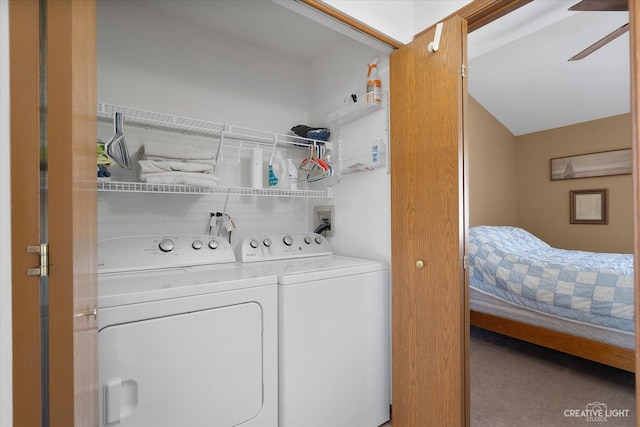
293, 175
256, 171
281, 170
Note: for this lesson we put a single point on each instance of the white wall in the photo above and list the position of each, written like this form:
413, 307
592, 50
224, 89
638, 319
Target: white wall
6, 363
192, 71
151, 61
154, 61
362, 200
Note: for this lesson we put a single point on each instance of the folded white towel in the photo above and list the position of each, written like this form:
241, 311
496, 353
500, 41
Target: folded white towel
151, 166
181, 178
154, 149
210, 162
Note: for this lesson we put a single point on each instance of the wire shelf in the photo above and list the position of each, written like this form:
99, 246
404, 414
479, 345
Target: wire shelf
192, 127
226, 134
351, 112
143, 187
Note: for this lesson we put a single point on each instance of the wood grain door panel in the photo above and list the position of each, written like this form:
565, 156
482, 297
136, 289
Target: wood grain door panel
25, 209
427, 198
72, 206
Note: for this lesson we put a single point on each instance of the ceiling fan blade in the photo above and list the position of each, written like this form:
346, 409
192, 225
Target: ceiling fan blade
603, 41
601, 6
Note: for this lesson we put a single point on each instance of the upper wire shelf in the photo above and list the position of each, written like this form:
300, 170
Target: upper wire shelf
226, 134
192, 127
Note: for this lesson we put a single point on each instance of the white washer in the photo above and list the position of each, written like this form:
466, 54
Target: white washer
187, 337
333, 331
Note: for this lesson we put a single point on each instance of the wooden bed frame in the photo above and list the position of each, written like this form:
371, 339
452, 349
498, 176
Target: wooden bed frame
607, 354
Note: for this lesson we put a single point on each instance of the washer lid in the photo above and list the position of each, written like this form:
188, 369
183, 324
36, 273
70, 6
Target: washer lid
320, 268
116, 289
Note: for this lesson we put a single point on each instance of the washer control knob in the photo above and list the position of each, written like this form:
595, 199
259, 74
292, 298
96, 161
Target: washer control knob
213, 244
197, 244
167, 245
288, 240
254, 243
319, 240
267, 242
307, 240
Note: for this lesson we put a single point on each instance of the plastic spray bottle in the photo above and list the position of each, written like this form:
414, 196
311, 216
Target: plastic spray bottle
374, 85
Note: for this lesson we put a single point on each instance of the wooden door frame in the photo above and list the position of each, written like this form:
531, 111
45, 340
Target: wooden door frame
482, 12
634, 39
72, 209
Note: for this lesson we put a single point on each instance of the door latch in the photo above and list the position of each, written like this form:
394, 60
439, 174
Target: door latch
88, 313
43, 269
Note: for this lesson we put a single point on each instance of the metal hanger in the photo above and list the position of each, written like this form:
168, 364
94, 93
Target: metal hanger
116, 147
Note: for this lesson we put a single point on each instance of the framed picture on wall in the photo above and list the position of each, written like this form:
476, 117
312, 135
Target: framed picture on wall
615, 162
589, 207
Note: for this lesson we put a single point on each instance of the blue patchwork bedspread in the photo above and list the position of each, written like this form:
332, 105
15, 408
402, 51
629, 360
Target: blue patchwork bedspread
515, 265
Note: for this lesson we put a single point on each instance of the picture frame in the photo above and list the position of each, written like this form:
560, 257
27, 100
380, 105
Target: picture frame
589, 206
605, 163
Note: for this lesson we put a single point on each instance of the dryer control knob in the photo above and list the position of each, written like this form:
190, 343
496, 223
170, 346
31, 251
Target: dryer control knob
319, 240
254, 243
307, 240
197, 244
288, 240
167, 245
267, 242
213, 244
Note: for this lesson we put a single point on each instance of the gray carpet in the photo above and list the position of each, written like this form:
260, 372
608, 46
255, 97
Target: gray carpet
515, 384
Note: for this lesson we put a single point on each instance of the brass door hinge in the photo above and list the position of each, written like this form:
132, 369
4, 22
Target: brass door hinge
43, 269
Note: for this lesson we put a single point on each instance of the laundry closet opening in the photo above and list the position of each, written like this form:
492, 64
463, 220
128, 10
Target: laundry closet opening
225, 124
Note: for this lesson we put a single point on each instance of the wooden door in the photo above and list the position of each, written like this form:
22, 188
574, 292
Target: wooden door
634, 39
429, 320
54, 84
72, 206
24, 62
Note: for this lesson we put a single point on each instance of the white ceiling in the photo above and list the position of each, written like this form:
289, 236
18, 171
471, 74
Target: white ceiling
518, 68
278, 25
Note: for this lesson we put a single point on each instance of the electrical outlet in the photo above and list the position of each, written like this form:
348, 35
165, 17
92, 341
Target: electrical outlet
324, 215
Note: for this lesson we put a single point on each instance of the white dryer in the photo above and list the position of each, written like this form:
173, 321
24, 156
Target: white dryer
333, 330
187, 337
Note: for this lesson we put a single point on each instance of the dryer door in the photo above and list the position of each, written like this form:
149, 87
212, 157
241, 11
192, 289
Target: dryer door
202, 368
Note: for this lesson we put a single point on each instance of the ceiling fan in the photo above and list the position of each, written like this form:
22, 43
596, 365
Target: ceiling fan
601, 6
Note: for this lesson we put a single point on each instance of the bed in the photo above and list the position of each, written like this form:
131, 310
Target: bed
576, 302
